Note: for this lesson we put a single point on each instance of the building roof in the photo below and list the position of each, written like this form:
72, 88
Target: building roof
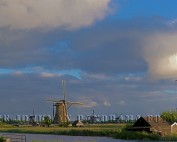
77, 123
153, 123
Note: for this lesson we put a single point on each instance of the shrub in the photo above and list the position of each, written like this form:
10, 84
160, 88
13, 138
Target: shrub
2, 139
64, 124
170, 116
130, 135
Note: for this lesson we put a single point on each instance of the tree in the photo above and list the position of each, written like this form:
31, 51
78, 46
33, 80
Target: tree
47, 121
169, 116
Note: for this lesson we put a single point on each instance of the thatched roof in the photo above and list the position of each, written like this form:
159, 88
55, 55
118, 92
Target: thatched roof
152, 124
77, 123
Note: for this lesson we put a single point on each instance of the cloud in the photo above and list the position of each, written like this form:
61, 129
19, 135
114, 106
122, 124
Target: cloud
106, 103
172, 22
109, 48
72, 14
121, 102
95, 76
45, 74
39, 71
160, 53
17, 73
106, 57
90, 104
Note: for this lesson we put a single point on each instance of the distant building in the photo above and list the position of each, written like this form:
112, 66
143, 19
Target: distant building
154, 124
77, 123
18, 117
25, 118
32, 120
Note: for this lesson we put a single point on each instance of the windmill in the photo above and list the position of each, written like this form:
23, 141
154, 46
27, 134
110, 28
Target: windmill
61, 106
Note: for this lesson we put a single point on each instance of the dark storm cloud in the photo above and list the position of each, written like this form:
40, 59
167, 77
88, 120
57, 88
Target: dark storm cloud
110, 47
20, 93
109, 55
113, 47
122, 94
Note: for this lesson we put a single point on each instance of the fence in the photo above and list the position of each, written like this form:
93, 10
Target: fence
15, 137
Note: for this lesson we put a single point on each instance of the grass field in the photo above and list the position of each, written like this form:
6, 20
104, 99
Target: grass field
90, 129
109, 130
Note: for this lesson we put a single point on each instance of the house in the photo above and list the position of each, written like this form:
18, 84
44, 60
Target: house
153, 125
174, 128
77, 123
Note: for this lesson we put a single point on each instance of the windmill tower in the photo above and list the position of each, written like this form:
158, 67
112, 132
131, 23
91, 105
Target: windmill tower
61, 106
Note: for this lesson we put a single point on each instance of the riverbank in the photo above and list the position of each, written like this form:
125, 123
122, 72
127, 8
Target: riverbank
116, 131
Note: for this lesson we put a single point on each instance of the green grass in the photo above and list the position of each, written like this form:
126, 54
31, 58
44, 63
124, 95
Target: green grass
128, 135
89, 130
2, 139
109, 130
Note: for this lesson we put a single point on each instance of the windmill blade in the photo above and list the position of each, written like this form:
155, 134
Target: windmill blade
64, 89
74, 103
54, 100
53, 109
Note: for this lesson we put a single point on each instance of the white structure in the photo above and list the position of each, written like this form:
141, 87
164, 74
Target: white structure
80, 117
25, 118
18, 117
112, 117
104, 118
39, 118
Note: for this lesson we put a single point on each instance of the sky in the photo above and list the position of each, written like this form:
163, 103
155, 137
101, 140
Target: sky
117, 56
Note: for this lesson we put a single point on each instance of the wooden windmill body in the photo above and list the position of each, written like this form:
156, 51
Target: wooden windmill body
61, 107
61, 114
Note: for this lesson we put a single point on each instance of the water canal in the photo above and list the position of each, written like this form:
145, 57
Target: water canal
62, 138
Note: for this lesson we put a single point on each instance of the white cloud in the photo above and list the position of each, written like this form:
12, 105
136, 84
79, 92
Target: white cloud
172, 22
88, 102
17, 73
70, 14
132, 78
96, 76
121, 102
160, 53
106, 103
48, 75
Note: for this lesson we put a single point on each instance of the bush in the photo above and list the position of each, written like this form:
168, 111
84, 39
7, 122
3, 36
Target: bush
169, 116
47, 121
130, 135
64, 124
2, 139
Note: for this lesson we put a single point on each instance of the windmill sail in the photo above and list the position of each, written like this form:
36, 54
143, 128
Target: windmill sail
64, 89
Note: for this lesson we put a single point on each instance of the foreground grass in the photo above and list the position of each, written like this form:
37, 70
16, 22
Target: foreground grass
90, 130
128, 135
109, 130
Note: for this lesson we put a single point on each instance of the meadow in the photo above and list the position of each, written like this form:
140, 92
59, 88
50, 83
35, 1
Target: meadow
117, 131
92, 129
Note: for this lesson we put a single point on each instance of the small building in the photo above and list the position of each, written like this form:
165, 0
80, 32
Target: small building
32, 120
77, 123
174, 128
153, 124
